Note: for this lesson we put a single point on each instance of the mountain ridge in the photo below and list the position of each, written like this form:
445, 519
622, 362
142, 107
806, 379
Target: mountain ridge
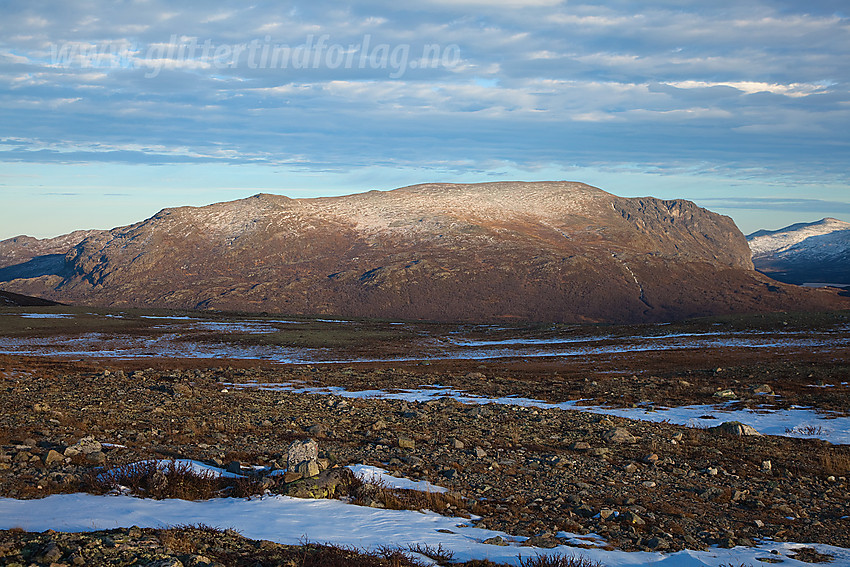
533, 251
815, 252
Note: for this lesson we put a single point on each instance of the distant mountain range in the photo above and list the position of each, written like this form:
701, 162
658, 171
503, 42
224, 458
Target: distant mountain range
804, 253
509, 251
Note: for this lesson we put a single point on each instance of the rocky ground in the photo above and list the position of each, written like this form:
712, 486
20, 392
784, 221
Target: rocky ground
528, 472
185, 547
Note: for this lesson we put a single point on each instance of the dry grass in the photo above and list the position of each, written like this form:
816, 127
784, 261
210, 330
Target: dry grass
558, 561
403, 499
338, 556
835, 463
169, 479
180, 540
438, 554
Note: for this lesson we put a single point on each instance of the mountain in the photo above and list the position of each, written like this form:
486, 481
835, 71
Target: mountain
817, 252
547, 251
26, 257
8, 299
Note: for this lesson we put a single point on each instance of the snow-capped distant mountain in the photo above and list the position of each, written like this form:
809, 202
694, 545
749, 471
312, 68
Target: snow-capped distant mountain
817, 252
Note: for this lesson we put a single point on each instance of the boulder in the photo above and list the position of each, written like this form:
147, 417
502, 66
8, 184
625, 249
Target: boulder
301, 451
619, 435
735, 428
308, 469
726, 394
53, 457
84, 446
631, 518
332, 483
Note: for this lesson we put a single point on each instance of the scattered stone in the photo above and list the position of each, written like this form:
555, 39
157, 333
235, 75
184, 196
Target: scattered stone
580, 446
735, 428
632, 519
541, 541
50, 553
53, 457
291, 476
84, 446
406, 443
96, 458
725, 394
316, 430
168, 562
234, 467
619, 435
480, 453
657, 543
763, 389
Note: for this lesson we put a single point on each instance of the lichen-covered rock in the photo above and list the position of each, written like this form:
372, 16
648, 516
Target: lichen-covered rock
736, 428
331, 483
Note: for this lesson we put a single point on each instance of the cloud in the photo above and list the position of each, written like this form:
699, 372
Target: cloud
751, 87
792, 204
758, 87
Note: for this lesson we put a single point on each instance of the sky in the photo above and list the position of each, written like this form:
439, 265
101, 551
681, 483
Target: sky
111, 111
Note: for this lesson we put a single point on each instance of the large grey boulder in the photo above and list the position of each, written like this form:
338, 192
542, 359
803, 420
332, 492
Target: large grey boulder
735, 428
303, 456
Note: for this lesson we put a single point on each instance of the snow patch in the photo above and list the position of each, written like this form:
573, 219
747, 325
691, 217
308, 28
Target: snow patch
830, 236
290, 521
794, 422
370, 474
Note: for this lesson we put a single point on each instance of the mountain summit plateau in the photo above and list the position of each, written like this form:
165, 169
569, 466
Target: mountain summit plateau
543, 251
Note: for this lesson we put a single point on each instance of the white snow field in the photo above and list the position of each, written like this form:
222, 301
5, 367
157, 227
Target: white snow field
292, 521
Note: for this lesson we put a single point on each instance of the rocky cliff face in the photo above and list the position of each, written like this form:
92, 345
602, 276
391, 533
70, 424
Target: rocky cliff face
553, 251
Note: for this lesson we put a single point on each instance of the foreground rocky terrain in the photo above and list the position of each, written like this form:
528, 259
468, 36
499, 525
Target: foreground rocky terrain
548, 251
526, 471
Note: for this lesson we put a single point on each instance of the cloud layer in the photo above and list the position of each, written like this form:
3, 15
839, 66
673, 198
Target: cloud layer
746, 89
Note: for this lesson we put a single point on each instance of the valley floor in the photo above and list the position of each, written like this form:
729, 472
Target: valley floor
572, 445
